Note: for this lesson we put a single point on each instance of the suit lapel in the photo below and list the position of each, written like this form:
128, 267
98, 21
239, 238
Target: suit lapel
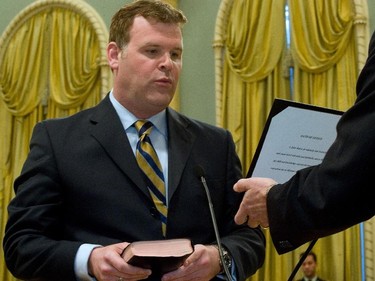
107, 129
180, 142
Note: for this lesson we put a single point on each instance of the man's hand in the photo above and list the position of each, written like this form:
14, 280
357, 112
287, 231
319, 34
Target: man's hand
201, 265
253, 208
106, 263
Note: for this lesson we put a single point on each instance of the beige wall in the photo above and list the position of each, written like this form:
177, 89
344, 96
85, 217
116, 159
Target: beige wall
198, 80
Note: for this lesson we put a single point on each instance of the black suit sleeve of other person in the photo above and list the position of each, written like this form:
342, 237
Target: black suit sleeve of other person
339, 193
81, 184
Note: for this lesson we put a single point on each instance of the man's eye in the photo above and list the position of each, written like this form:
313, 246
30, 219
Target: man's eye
175, 55
152, 51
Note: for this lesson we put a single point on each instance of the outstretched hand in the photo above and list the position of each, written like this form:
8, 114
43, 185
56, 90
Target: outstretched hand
253, 208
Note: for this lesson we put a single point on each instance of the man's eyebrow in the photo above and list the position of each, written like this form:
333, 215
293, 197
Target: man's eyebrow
147, 45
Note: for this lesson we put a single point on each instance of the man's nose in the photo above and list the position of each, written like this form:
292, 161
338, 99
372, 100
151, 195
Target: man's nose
165, 62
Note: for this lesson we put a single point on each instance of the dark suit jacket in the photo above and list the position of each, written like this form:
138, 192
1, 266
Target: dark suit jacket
81, 184
337, 194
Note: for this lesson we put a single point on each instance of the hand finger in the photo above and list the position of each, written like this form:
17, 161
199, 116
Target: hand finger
241, 216
241, 219
264, 225
252, 223
193, 257
240, 186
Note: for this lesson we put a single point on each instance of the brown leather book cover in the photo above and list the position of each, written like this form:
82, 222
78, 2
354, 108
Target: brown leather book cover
161, 256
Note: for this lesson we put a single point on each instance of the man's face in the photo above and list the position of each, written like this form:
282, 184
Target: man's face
148, 68
309, 267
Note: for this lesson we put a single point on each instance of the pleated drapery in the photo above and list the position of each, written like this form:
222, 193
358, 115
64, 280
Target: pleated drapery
252, 69
324, 52
53, 64
253, 64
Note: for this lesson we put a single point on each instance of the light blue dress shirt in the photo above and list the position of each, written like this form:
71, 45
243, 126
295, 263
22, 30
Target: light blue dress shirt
159, 139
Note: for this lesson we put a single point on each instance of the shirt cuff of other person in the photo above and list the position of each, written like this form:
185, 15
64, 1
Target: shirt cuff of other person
84, 252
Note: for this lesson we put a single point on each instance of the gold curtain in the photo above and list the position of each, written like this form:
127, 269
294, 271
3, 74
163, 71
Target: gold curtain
253, 74
74, 80
324, 53
46, 72
252, 69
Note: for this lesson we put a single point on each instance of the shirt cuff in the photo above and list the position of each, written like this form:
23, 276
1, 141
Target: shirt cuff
81, 262
232, 271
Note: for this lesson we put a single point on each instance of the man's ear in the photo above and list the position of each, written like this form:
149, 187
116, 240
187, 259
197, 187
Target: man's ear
113, 55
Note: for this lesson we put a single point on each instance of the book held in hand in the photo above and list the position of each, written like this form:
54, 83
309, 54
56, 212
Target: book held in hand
161, 256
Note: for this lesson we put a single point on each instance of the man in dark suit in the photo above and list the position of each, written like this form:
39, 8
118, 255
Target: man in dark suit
327, 198
81, 197
309, 268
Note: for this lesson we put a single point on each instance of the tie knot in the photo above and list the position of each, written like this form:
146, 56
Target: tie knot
143, 127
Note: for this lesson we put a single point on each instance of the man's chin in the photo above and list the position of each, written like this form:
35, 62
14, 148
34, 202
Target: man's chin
163, 100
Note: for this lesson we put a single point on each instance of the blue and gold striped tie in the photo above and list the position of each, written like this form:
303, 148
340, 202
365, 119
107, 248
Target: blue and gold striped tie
150, 166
